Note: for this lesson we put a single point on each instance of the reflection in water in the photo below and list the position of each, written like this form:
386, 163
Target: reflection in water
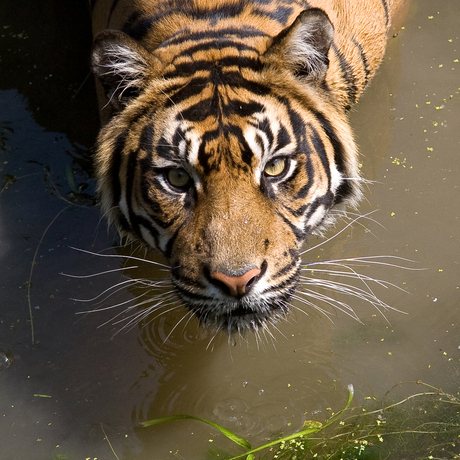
148, 293
6, 359
183, 359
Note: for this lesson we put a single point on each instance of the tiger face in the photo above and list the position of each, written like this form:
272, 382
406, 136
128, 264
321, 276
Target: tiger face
225, 153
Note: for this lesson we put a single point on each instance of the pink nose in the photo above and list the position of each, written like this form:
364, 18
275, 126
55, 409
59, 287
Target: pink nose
237, 286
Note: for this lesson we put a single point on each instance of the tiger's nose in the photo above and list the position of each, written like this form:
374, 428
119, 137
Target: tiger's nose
236, 286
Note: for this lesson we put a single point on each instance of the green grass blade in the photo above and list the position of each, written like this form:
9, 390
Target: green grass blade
302, 433
227, 433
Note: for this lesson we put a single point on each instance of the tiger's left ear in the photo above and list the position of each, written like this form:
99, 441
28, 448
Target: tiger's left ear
303, 46
122, 65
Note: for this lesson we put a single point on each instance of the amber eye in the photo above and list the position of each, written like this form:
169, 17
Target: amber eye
275, 167
178, 177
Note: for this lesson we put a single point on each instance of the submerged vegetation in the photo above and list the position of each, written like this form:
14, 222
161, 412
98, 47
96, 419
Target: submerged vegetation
423, 425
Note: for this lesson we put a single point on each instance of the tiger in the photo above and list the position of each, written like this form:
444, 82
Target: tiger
225, 140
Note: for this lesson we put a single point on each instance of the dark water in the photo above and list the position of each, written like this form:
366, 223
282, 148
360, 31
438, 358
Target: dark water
66, 377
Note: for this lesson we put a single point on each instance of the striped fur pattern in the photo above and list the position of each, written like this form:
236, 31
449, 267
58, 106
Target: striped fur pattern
227, 141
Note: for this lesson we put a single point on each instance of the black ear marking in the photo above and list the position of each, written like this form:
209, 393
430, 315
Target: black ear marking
122, 65
303, 46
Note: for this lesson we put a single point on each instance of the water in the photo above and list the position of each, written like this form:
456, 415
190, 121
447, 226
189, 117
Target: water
86, 375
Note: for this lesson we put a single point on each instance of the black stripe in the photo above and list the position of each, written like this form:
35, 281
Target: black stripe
212, 160
146, 185
287, 268
332, 136
246, 152
289, 288
212, 44
299, 234
214, 107
296, 212
387, 16
115, 165
155, 220
146, 139
347, 74
154, 233
192, 88
281, 14
190, 68
303, 192
296, 121
345, 188
282, 138
169, 246
233, 79
168, 151
259, 141
236, 80
243, 109
129, 190
320, 150
367, 71
209, 162
135, 27
242, 32
326, 200
215, 13
200, 111
264, 126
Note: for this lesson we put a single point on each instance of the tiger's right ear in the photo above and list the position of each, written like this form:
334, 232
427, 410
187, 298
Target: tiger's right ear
122, 65
303, 46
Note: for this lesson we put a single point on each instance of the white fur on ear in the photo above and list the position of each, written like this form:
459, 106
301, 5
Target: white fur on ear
305, 44
122, 65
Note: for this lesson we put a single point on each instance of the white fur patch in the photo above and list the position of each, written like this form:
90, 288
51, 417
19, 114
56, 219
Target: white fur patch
303, 53
316, 218
128, 66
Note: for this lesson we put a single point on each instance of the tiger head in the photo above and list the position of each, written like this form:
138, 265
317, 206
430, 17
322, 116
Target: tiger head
224, 154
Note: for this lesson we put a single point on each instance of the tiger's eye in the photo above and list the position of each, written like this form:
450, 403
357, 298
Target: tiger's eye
178, 177
275, 167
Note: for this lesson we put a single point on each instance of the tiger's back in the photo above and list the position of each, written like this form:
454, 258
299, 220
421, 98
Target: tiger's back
228, 141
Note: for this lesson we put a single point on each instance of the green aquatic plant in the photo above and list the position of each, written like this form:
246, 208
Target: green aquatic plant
310, 428
424, 425
59, 456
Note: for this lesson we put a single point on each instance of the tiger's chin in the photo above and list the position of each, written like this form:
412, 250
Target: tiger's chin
243, 315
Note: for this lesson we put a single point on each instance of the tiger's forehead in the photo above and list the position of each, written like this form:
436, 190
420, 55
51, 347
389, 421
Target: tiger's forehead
242, 140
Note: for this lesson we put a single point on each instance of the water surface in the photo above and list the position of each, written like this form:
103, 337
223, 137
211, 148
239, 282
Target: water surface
73, 376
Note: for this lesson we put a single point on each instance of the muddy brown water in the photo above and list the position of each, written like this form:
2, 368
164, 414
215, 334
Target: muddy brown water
84, 373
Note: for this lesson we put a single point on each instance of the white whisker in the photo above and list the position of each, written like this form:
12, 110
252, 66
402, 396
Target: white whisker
214, 335
115, 288
91, 275
110, 307
315, 307
175, 326
365, 260
137, 317
352, 274
336, 234
336, 304
117, 256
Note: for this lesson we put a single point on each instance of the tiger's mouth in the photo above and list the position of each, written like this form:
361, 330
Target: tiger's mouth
242, 315
225, 306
